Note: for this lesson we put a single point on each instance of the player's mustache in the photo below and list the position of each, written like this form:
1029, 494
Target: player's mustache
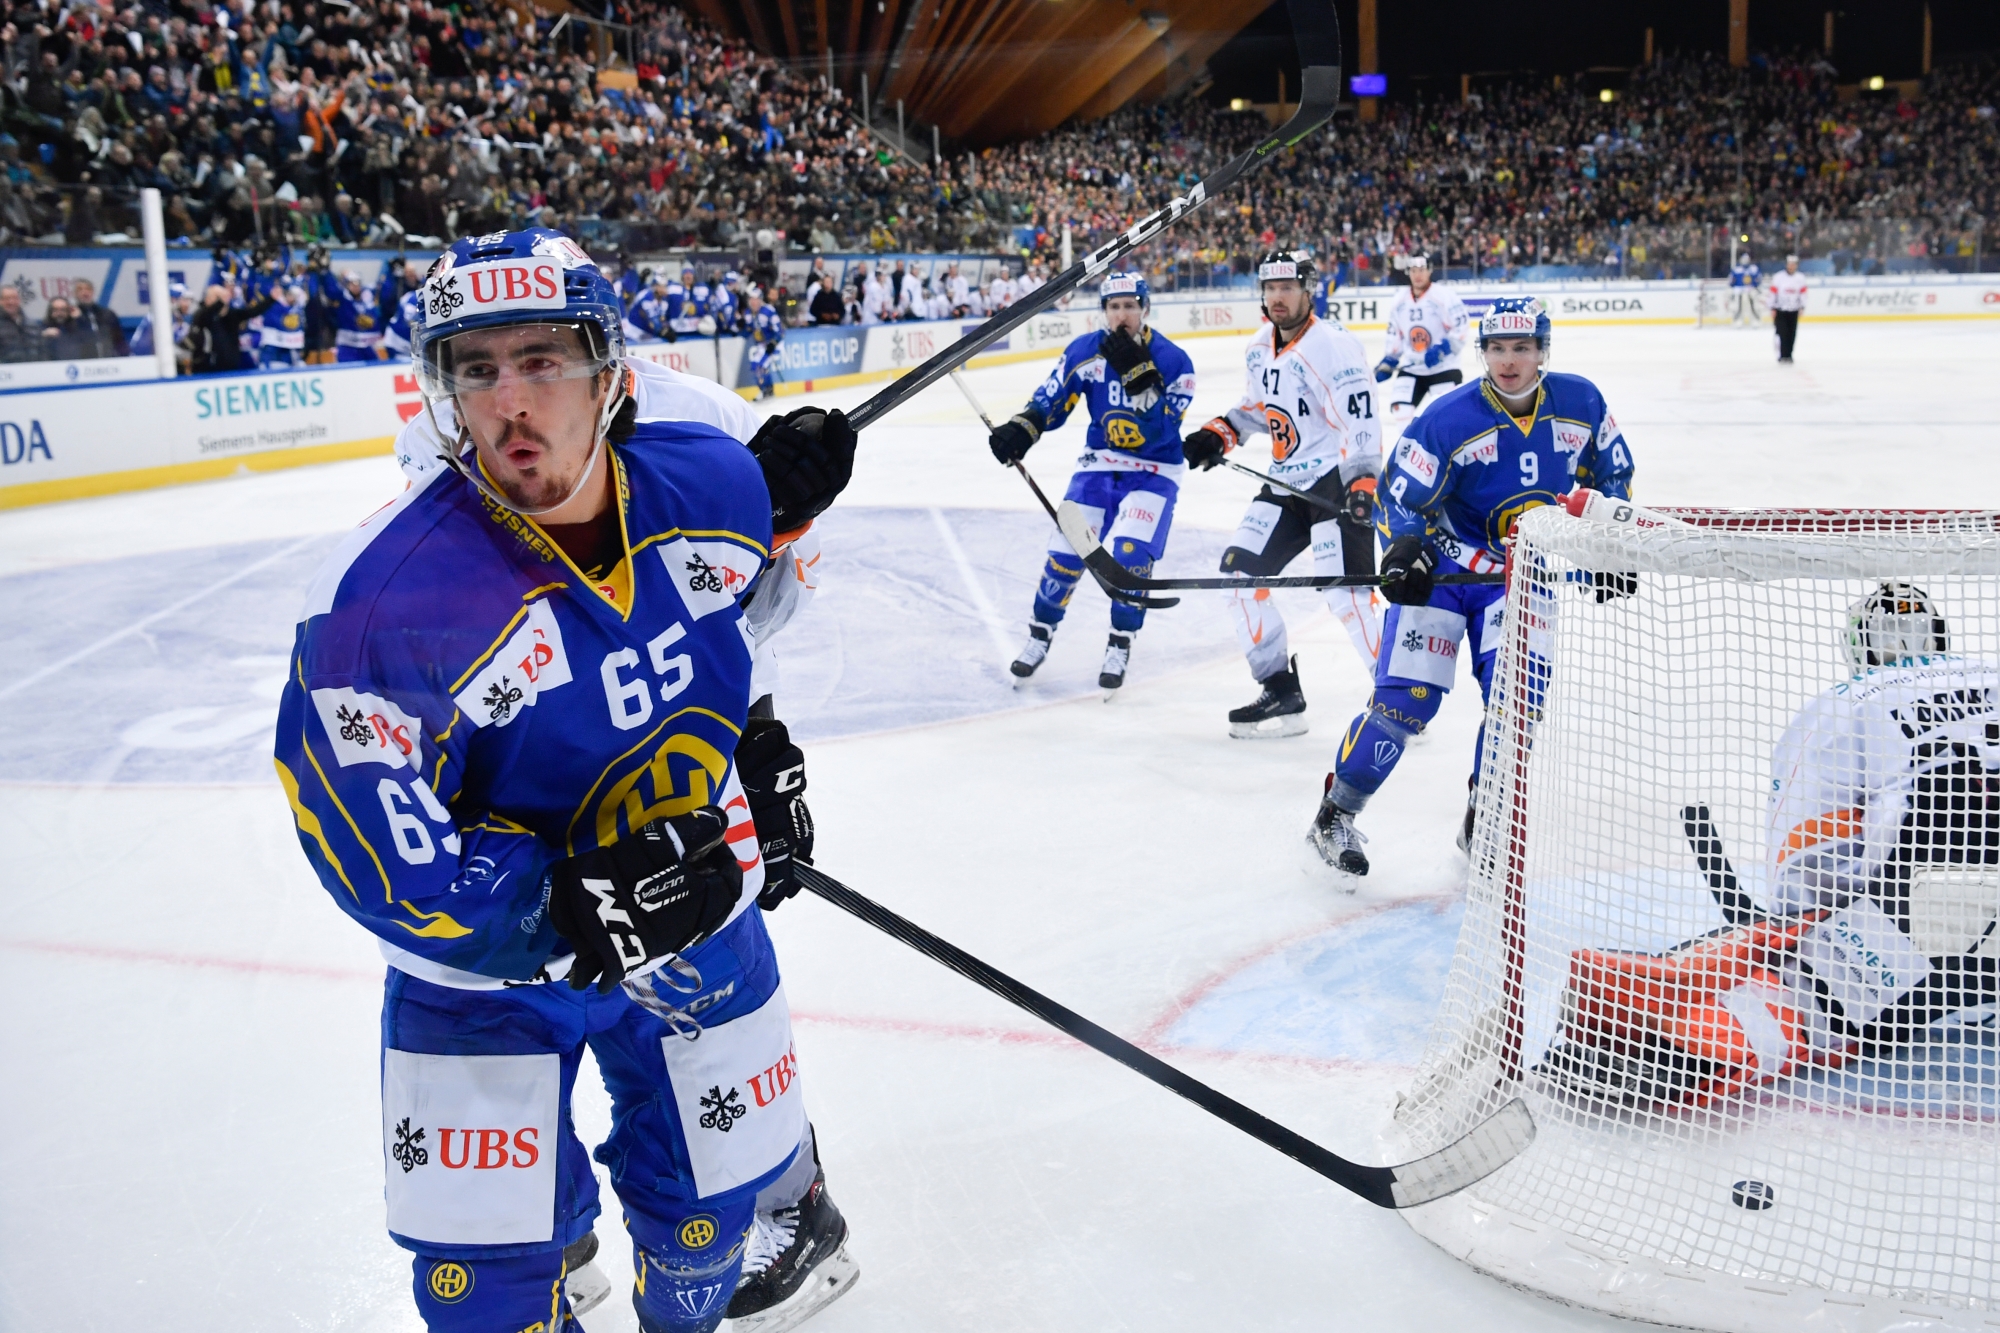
514, 431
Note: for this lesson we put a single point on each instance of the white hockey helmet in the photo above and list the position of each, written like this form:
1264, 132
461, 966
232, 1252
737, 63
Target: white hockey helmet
1895, 625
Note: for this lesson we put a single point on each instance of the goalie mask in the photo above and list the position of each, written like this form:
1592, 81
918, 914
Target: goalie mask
1895, 625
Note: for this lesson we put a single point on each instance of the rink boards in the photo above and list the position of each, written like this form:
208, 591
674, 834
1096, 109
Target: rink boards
74, 437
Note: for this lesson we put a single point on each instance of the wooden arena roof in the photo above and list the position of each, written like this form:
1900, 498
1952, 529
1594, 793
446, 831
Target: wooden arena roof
987, 71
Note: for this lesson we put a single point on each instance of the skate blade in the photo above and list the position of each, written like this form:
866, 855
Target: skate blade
587, 1288
1110, 692
1271, 728
830, 1280
1347, 881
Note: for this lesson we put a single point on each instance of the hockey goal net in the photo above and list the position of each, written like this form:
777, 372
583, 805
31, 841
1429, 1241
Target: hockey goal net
1718, 1146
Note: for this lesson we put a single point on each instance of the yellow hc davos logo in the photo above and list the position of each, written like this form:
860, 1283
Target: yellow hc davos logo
697, 1233
449, 1282
1122, 432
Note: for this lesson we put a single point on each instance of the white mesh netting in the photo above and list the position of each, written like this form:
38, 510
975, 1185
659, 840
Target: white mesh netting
1741, 969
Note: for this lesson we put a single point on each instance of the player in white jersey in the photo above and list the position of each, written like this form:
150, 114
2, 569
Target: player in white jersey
662, 393
1307, 387
1883, 873
1427, 331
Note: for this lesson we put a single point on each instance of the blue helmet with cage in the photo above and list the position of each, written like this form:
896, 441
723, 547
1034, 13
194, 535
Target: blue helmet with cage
1516, 317
1125, 283
533, 278
514, 277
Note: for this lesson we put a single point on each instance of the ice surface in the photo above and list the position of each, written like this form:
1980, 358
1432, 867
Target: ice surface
190, 1024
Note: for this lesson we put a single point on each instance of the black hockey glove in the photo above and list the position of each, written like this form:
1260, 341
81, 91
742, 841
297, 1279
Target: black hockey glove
1129, 360
1406, 571
1204, 449
808, 458
659, 891
773, 772
1608, 586
1011, 439
1359, 501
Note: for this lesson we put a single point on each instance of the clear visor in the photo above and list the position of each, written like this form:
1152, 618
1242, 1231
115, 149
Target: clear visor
481, 360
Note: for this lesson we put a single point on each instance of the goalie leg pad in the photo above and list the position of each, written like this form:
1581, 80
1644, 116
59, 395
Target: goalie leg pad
1714, 1016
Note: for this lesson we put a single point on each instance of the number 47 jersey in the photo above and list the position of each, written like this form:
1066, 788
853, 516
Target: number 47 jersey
1315, 397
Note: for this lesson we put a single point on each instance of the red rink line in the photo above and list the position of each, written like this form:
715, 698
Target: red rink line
113, 954
915, 1027
1194, 995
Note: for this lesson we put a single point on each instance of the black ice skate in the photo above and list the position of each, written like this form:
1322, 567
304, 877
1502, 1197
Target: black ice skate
1117, 656
1335, 838
1037, 651
1279, 711
586, 1283
795, 1263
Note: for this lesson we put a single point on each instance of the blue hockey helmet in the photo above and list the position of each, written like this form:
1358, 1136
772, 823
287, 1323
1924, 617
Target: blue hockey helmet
1125, 283
1516, 317
525, 279
515, 277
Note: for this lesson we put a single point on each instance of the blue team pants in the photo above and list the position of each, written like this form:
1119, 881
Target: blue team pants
283, 357
1415, 669
1132, 512
344, 354
488, 1182
764, 366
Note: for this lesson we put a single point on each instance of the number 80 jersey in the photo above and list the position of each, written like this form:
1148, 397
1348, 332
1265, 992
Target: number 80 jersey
1315, 397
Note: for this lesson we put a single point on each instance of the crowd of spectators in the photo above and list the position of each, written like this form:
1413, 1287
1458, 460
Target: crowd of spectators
374, 121
77, 327
1550, 172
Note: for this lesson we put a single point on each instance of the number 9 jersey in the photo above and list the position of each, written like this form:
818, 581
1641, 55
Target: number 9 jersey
1467, 469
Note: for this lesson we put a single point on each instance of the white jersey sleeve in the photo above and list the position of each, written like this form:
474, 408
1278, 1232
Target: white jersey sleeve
1315, 398
1877, 771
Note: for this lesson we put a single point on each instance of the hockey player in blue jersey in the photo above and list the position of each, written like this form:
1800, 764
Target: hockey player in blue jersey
281, 342
1136, 387
356, 315
183, 306
407, 316
652, 314
720, 305
765, 330
519, 747
1469, 466
684, 304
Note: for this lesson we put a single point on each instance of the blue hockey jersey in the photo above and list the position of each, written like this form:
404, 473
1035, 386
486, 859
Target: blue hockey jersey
465, 706
653, 315
1123, 436
1466, 469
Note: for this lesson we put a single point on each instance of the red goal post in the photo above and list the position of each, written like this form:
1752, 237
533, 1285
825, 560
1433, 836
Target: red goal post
1854, 1196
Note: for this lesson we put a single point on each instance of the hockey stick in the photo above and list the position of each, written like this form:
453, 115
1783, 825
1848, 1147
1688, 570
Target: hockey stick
1116, 578
1316, 31
1713, 862
1130, 599
1486, 1148
1316, 501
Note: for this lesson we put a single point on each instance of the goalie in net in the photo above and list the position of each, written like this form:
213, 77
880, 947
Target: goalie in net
1883, 867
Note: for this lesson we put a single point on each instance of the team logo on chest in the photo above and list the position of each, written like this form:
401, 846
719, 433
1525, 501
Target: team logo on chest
531, 661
